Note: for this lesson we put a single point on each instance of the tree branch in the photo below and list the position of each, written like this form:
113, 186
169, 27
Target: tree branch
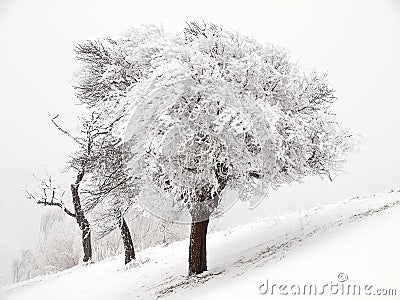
53, 201
76, 139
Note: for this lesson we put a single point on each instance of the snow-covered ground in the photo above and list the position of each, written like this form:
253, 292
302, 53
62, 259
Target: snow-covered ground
358, 237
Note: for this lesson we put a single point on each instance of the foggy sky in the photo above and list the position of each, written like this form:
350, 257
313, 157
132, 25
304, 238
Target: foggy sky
356, 42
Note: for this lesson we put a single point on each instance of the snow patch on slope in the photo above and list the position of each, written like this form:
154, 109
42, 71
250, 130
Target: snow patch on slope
232, 255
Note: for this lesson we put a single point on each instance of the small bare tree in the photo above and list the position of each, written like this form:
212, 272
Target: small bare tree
53, 195
83, 162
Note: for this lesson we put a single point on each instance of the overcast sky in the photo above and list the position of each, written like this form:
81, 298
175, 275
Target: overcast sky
356, 42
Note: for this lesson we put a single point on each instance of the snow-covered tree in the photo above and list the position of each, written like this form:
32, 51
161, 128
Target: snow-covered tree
58, 248
59, 242
209, 110
110, 192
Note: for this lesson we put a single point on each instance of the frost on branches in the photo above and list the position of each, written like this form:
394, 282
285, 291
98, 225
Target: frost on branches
208, 110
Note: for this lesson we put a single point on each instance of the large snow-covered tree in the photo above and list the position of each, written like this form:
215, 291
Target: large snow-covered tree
208, 110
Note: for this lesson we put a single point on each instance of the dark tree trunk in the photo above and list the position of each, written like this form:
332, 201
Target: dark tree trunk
203, 206
86, 241
127, 240
197, 247
81, 219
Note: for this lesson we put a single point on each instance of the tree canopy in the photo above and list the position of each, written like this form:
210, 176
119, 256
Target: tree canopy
209, 109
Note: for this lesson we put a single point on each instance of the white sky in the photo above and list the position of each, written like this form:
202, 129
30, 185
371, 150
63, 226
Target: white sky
356, 42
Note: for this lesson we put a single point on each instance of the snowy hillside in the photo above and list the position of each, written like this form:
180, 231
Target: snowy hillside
358, 237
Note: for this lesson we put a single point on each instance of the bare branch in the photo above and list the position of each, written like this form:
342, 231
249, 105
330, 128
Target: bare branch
50, 199
76, 139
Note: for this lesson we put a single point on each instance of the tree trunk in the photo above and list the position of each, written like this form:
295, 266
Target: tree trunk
197, 247
127, 240
86, 241
81, 219
205, 203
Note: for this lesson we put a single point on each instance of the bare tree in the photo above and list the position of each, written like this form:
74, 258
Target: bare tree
83, 162
52, 195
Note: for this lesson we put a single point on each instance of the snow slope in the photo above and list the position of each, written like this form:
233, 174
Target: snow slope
358, 237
